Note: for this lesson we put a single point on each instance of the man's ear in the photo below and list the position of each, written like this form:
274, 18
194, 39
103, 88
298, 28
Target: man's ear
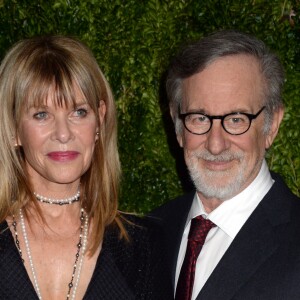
178, 134
277, 118
179, 139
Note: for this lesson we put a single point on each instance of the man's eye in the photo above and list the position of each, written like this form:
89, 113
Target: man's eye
81, 112
198, 119
202, 119
237, 120
41, 115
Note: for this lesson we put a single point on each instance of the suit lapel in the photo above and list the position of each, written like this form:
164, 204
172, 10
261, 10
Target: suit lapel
172, 217
253, 245
250, 249
175, 232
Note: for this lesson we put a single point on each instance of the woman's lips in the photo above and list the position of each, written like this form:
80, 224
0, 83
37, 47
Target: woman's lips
63, 155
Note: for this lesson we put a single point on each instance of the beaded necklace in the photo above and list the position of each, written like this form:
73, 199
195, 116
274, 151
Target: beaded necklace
81, 247
70, 200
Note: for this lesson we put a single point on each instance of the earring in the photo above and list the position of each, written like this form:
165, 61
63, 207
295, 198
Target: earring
16, 145
97, 136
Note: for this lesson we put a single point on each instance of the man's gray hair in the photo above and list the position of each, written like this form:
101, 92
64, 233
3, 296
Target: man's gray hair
195, 57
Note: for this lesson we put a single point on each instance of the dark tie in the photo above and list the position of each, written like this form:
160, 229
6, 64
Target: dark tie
197, 235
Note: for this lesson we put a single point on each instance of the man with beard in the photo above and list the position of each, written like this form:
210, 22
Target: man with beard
225, 101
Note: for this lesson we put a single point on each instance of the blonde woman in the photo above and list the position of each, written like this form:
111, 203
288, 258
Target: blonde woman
61, 234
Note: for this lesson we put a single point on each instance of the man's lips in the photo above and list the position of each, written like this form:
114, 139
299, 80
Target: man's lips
63, 155
218, 165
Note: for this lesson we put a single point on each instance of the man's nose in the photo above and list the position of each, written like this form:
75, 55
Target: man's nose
217, 141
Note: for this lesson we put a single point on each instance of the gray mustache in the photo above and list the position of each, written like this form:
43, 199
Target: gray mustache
222, 157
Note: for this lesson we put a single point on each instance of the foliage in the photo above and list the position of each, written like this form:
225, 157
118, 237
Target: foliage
133, 42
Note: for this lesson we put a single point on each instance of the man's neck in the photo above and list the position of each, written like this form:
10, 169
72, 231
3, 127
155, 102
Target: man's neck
209, 204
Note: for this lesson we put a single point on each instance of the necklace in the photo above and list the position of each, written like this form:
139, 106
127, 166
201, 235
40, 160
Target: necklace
81, 247
69, 200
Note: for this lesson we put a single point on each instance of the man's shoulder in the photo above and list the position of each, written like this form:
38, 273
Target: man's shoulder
280, 204
280, 188
174, 208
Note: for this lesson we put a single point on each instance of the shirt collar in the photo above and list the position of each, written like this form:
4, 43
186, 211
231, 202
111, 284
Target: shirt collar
231, 215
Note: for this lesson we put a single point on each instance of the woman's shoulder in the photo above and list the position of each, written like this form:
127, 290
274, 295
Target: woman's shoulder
140, 231
4, 234
8, 249
3, 226
140, 257
142, 227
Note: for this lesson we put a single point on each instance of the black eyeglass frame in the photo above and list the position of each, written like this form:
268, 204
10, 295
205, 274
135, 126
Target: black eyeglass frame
251, 117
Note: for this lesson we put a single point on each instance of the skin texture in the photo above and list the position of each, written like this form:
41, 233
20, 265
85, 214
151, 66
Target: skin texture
222, 165
58, 144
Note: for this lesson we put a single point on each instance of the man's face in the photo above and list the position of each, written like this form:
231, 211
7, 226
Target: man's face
222, 165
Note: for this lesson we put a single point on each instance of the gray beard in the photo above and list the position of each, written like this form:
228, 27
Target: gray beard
205, 180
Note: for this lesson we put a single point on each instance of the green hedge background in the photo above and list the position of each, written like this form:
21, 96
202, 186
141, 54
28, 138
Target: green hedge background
133, 41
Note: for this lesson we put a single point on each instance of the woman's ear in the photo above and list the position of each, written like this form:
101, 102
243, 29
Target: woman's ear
101, 111
16, 141
101, 114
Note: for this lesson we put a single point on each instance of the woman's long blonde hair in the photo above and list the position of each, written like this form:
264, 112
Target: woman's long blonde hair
27, 73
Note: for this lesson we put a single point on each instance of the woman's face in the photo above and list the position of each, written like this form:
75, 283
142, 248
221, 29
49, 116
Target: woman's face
58, 141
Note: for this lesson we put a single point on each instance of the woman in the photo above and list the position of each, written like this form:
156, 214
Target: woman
61, 235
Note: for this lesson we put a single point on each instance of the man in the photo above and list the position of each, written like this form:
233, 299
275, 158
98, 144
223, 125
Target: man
225, 101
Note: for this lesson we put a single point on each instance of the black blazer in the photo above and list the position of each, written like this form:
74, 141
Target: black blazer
124, 270
263, 261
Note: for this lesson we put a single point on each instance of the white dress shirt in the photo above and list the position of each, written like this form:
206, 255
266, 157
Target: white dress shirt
229, 218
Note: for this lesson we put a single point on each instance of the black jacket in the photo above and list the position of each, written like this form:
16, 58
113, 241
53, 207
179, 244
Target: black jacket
124, 270
262, 262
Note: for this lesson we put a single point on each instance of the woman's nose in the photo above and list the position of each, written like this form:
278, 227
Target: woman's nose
62, 129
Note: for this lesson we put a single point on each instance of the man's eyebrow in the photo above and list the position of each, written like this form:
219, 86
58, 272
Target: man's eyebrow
234, 111
196, 110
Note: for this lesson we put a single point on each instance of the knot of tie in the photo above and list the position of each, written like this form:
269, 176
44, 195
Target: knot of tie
199, 229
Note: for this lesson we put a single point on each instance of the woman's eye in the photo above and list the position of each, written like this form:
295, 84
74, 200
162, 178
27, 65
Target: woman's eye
81, 112
41, 115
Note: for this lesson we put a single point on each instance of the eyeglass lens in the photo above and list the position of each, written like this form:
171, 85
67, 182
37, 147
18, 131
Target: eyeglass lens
233, 123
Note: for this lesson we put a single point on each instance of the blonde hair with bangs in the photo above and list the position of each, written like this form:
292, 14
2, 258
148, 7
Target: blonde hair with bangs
27, 73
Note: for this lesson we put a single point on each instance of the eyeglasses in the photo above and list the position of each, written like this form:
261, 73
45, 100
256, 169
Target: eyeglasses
235, 123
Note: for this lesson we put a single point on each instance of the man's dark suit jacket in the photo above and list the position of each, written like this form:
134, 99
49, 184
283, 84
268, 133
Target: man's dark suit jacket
124, 270
263, 261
